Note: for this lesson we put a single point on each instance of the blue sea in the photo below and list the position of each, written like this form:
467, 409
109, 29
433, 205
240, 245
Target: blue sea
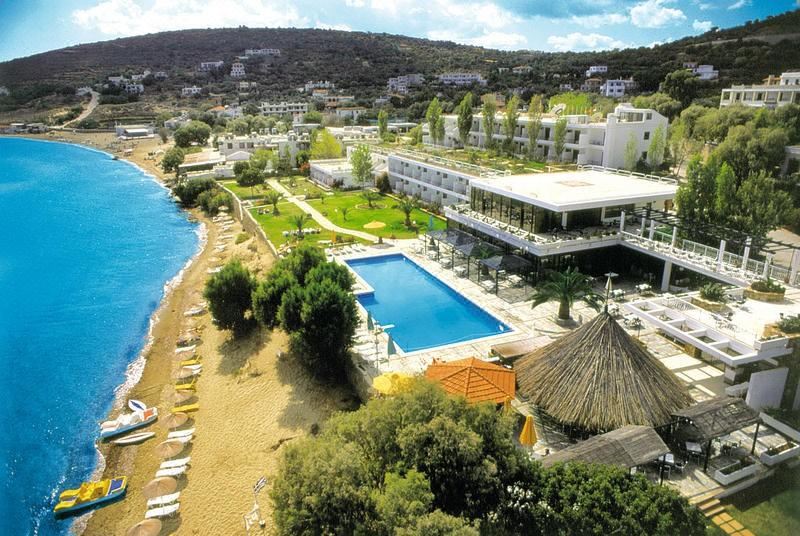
87, 244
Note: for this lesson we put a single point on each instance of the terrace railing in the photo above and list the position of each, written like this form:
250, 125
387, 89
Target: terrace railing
625, 172
472, 169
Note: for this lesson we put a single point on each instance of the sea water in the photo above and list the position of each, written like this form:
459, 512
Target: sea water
87, 245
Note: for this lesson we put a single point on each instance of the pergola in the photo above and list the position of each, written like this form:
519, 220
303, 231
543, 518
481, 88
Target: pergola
629, 446
717, 417
505, 264
450, 237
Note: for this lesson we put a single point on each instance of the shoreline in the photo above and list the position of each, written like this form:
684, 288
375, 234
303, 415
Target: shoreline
252, 400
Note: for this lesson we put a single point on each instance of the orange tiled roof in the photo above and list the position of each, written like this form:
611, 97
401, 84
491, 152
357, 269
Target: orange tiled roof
476, 380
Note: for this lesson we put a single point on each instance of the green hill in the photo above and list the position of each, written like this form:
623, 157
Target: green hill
361, 62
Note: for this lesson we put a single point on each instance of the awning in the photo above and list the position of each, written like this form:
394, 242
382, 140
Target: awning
508, 263
718, 416
629, 446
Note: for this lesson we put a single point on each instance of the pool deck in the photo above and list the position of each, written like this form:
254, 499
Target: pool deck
538, 325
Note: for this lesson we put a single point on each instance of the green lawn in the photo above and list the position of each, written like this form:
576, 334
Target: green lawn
359, 215
302, 186
245, 193
770, 507
275, 225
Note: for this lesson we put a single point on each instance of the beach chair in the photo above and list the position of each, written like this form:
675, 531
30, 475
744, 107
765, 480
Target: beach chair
175, 471
182, 349
186, 386
171, 464
183, 439
164, 511
163, 500
180, 433
190, 362
186, 408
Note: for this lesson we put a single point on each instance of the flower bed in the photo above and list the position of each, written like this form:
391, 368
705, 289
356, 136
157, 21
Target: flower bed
776, 455
736, 471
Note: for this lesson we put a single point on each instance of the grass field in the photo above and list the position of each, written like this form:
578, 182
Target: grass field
245, 193
302, 186
359, 215
770, 507
275, 225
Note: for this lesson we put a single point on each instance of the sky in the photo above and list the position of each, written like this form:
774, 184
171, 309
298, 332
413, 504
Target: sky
31, 26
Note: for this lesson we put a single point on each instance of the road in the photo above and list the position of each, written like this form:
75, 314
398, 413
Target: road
95, 100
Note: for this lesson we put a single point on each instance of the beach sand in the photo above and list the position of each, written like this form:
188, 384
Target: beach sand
251, 402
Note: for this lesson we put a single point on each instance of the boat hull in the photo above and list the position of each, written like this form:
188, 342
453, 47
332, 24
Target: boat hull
117, 490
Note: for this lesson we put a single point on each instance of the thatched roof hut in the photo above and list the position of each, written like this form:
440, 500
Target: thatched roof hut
599, 378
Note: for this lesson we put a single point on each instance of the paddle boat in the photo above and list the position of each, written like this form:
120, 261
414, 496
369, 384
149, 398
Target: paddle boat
90, 494
127, 422
133, 438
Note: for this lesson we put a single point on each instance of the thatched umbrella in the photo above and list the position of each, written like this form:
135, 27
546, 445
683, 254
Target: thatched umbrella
599, 378
160, 486
174, 420
148, 527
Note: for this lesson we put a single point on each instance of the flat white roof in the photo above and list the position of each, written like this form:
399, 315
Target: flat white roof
578, 190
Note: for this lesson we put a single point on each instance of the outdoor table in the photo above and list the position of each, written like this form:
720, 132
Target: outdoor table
460, 271
644, 287
617, 294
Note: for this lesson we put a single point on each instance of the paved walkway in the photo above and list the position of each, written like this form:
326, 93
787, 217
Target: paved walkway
318, 217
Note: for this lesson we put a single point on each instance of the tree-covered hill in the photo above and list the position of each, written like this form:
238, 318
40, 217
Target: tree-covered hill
362, 62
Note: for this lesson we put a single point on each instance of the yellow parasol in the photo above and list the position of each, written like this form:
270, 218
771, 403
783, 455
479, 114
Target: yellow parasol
374, 224
392, 383
148, 527
159, 486
528, 435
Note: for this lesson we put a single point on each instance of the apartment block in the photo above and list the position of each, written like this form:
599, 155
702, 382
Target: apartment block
587, 143
207, 66
295, 109
462, 79
595, 70
773, 93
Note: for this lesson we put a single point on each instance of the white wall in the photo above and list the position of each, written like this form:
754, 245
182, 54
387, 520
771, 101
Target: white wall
766, 388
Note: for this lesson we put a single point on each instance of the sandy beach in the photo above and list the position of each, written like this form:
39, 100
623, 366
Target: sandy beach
251, 401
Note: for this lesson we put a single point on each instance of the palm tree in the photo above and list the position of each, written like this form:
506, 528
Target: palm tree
272, 197
566, 287
407, 205
370, 196
299, 221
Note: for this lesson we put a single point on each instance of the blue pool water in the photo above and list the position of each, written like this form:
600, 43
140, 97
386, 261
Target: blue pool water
87, 246
424, 311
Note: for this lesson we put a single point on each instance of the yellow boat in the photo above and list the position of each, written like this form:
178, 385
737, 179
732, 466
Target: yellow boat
90, 494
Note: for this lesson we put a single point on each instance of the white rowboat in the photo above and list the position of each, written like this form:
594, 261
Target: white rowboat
134, 438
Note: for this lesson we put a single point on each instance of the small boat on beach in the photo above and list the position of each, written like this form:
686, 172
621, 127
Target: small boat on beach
136, 405
90, 494
127, 422
133, 438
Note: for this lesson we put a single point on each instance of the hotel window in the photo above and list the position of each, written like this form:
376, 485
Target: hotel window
647, 136
649, 116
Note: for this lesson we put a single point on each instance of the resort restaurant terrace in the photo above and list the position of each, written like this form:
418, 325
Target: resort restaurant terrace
561, 213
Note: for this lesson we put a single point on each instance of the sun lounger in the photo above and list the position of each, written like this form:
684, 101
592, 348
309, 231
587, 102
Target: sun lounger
163, 500
182, 349
186, 408
183, 439
190, 362
187, 386
197, 369
180, 433
171, 464
175, 471
163, 511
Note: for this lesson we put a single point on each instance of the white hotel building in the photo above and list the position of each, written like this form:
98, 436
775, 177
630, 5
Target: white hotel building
587, 143
462, 79
773, 93
295, 109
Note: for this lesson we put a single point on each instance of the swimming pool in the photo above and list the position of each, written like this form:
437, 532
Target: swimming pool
423, 311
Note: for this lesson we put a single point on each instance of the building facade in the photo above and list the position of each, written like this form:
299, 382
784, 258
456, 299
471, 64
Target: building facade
462, 79
237, 70
262, 52
191, 91
230, 144
595, 70
587, 142
773, 93
206, 66
295, 109
402, 84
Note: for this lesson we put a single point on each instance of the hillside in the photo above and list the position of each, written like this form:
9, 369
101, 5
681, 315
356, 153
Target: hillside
361, 62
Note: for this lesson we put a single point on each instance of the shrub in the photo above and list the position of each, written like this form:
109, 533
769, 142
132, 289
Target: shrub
188, 191
741, 464
383, 184
269, 293
790, 324
211, 200
713, 292
774, 451
767, 285
241, 237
